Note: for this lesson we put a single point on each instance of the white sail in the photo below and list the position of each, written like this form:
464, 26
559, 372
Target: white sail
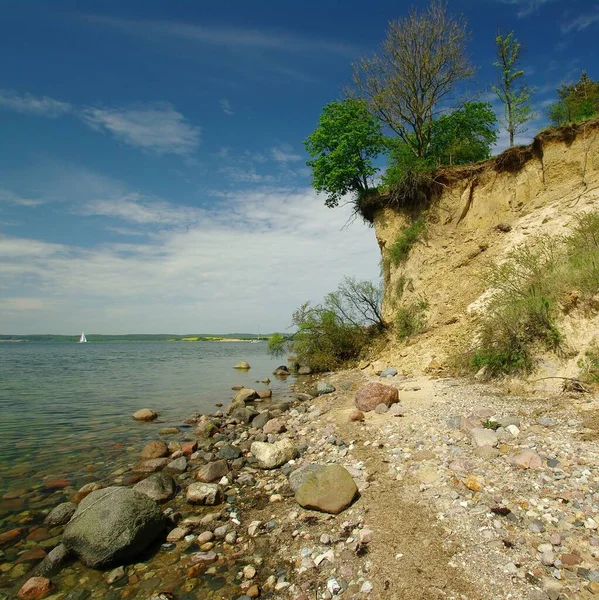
82, 339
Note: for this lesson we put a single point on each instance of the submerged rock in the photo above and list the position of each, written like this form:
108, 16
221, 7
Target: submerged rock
330, 489
243, 365
154, 449
271, 456
112, 525
160, 487
369, 396
61, 514
36, 588
145, 414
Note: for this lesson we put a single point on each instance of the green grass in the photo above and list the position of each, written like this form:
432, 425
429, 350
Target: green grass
400, 249
410, 318
530, 288
589, 365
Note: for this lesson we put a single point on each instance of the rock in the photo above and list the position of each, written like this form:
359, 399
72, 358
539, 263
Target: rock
322, 388
243, 365
189, 447
264, 394
145, 414
169, 431
298, 477
6, 537
179, 465
330, 490
34, 555
85, 490
474, 483
304, 370
229, 452
53, 562
207, 494
61, 514
112, 525
378, 366
261, 420
245, 395
381, 409
212, 471
528, 459
281, 371
205, 429
355, 415
480, 437
397, 410
35, 588
115, 575
271, 456
150, 466
246, 480
389, 372
177, 534
546, 422
154, 449
274, 426
160, 487
369, 396
304, 397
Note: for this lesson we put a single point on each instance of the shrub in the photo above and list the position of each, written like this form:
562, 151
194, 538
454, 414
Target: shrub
410, 318
589, 365
400, 249
330, 335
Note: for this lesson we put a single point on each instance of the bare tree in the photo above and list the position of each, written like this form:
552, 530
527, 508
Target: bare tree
419, 63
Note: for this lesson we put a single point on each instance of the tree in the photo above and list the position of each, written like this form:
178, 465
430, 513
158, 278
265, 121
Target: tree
342, 149
420, 61
330, 334
515, 99
465, 135
576, 102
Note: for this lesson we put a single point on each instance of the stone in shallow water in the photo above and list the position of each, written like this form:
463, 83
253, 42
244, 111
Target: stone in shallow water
245, 395
154, 449
331, 489
160, 487
36, 588
113, 525
61, 514
242, 365
145, 414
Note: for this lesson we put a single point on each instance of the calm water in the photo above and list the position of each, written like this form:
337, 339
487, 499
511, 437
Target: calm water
67, 407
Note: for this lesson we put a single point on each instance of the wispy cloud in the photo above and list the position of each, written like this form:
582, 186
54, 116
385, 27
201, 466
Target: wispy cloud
284, 155
245, 175
231, 37
226, 106
12, 198
582, 21
526, 7
188, 278
43, 106
158, 128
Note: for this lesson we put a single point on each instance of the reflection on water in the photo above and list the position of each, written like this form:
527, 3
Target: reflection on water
65, 409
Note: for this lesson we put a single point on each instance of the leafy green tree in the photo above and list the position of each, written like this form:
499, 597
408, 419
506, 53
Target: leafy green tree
576, 102
335, 332
407, 82
342, 149
465, 135
515, 97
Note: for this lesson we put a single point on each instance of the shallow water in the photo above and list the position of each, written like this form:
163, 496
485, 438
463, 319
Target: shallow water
65, 409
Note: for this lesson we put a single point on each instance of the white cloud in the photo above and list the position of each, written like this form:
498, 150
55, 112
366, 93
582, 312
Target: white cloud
12, 198
245, 175
226, 107
157, 128
526, 7
248, 263
42, 106
283, 155
237, 38
582, 21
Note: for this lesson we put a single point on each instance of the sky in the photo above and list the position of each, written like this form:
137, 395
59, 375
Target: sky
152, 173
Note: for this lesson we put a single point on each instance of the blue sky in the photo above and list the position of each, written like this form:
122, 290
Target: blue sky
152, 175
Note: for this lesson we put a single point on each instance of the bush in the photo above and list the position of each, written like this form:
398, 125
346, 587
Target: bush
400, 249
529, 288
589, 365
410, 318
330, 335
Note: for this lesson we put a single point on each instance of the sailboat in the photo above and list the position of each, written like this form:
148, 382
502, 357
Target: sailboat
82, 339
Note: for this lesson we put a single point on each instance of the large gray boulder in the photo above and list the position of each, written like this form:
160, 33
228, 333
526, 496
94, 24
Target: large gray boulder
159, 487
271, 456
113, 525
298, 477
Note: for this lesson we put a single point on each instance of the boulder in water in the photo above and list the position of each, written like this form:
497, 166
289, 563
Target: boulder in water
145, 414
243, 365
113, 525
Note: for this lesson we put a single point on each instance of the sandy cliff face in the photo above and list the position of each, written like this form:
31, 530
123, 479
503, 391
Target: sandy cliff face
480, 214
